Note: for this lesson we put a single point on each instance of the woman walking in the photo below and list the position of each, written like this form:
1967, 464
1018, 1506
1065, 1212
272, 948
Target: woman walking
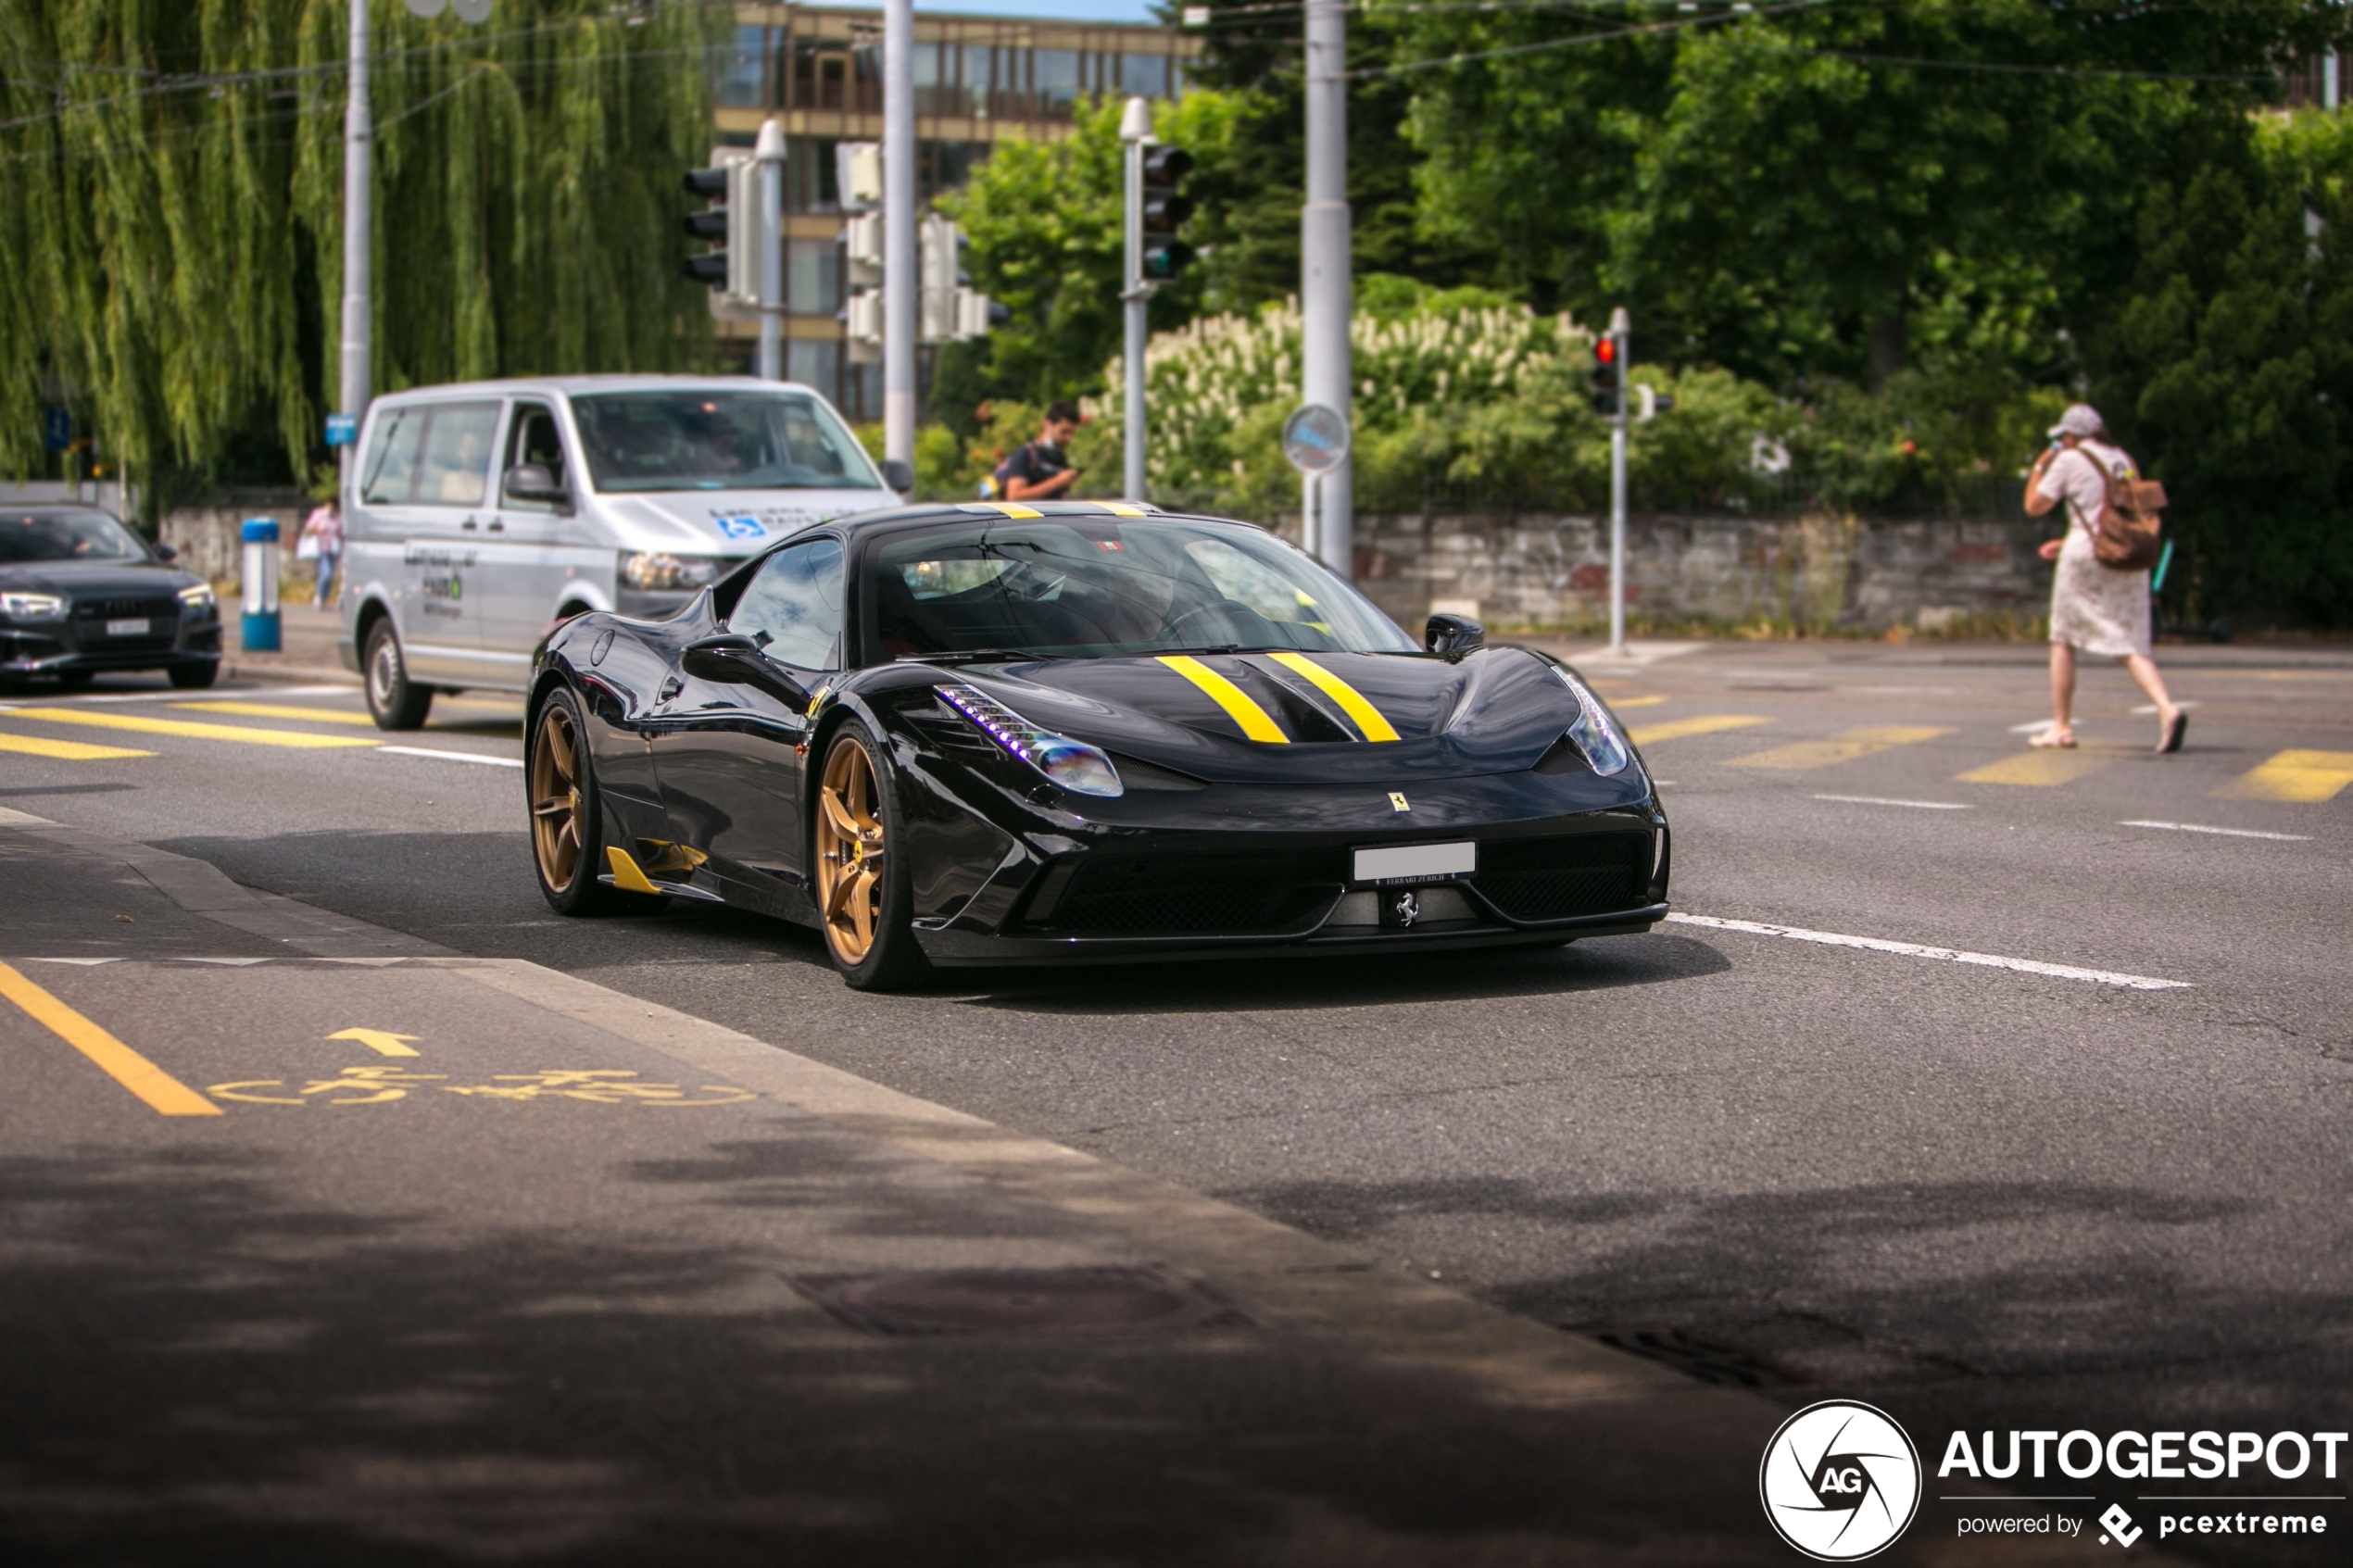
2097, 609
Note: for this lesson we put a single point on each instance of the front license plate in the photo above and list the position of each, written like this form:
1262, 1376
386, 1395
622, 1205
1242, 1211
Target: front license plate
1416, 862
137, 628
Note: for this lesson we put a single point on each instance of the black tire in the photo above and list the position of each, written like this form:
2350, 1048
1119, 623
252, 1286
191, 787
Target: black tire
75, 679
892, 960
569, 888
193, 677
394, 701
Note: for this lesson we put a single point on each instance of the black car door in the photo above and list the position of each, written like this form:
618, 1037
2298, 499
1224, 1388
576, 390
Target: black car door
724, 751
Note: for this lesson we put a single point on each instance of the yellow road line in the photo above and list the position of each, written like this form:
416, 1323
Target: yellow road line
2305, 777
1253, 718
1618, 702
1706, 724
2039, 767
1845, 747
183, 727
278, 711
65, 750
125, 1066
1352, 701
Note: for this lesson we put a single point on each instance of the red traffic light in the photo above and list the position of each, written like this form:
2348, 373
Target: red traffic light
1605, 351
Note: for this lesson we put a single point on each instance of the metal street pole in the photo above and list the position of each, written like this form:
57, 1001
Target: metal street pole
1324, 285
1618, 332
1135, 135
770, 154
899, 230
359, 142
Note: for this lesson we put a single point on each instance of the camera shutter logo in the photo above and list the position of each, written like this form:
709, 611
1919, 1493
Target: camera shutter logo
1841, 1480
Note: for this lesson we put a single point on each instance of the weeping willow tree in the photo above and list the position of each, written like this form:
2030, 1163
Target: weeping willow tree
171, 207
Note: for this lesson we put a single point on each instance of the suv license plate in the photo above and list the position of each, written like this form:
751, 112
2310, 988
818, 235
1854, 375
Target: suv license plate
137, 628
1416, 862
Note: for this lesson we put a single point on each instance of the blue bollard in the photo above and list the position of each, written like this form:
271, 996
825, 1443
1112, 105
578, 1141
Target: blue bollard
260, 632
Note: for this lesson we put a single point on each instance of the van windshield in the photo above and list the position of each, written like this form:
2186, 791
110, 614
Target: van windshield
718, 439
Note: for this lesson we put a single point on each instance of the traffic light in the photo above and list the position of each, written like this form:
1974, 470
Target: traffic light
1649, 403
729, 227
1609, 381
1166, 210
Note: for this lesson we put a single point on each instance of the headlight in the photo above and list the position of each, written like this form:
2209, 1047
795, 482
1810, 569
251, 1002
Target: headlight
1595, 734
652, 568
198, 599
1073, 764
31, 607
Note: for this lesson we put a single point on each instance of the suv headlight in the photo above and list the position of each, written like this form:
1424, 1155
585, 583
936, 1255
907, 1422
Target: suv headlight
33, 606
656, 569
197, 600
1073, 764
1606, 751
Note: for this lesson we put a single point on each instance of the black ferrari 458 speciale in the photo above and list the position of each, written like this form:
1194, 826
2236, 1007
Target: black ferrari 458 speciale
997, 733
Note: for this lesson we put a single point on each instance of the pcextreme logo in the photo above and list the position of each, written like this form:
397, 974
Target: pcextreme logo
1841, 1480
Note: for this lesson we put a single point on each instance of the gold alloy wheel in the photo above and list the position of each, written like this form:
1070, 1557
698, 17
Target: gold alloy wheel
849, 850
555, 797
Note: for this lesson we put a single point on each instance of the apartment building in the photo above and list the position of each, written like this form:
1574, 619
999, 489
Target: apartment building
978, 79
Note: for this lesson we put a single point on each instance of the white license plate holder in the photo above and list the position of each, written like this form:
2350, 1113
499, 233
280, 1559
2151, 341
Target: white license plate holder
135, 626
1400, 865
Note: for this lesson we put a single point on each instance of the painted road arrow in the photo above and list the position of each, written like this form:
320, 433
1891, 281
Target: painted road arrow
378, 1041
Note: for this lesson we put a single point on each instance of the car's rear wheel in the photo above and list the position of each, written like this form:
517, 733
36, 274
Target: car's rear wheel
394, 701
864, 889
567, 815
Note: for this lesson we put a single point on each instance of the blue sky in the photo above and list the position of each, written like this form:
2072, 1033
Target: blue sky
1052, 10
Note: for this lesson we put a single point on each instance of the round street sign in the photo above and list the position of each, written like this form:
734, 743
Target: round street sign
428, 8
1315, 439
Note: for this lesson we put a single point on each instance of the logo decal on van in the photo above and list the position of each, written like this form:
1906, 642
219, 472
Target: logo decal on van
741, 527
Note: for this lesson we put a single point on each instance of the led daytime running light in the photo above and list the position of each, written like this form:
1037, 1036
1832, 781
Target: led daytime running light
1071, 765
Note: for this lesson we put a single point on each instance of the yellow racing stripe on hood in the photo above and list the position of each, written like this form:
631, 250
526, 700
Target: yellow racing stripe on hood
1368, 718
1229, 696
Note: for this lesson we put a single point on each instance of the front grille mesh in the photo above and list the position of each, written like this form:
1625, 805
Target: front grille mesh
1562, 878
1136, 896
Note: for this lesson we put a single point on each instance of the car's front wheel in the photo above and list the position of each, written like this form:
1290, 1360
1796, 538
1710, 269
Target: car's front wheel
863, 886
394, 700
567, 815
193, 677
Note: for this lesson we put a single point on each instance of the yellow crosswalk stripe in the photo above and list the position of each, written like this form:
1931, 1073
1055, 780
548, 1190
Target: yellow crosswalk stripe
2305, 777
1616, 703
277, 710
1845, 747
64, 750
2041, 768
183, 727
1706, 724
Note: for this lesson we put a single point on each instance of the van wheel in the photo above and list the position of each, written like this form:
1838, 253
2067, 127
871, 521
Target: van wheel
394, 701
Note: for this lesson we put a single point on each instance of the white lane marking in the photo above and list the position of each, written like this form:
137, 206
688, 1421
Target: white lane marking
1882, 800
23, 820
2151, 708
2225, 833
452, 756
1947, 955
83, 964
2037, 728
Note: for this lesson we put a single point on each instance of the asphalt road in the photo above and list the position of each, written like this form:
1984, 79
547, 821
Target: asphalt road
1978, 1196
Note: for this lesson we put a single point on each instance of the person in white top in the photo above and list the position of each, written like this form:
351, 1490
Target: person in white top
2095, 608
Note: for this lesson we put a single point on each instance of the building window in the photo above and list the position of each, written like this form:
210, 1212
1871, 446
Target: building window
977, 80
815, 364
1144, 76
743, 71
1057, 77
812, 181
813, 277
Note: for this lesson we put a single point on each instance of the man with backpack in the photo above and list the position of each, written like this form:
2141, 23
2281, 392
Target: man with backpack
1040, 470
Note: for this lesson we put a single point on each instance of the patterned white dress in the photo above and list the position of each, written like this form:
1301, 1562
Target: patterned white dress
2097, 609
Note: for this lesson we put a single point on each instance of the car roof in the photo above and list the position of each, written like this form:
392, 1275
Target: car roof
952, 511
579, 386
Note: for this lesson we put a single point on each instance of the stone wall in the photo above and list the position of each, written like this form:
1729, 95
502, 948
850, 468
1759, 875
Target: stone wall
212, 539
1816, 574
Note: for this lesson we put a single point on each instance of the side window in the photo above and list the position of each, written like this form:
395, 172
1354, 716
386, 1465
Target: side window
532, 437
455, 467
392, 462
793, 608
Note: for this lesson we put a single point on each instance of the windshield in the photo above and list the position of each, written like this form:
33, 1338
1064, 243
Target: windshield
718, 439
1083, 587
29, 537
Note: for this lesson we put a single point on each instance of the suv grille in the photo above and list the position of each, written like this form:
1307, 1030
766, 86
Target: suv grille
1561, 878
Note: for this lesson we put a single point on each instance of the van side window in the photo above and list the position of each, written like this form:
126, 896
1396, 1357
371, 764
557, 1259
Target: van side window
391, 464
793, 608
455, 467
532, 438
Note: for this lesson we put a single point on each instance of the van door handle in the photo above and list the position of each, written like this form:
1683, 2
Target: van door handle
496, 526
468, 525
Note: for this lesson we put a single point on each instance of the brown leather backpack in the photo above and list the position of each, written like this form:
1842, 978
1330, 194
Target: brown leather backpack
2125, 536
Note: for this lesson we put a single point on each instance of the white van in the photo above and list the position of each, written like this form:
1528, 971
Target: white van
477, 516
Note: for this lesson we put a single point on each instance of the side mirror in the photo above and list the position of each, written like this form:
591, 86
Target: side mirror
533, 482
734, 660
165, 552
1453, 633
897, 475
